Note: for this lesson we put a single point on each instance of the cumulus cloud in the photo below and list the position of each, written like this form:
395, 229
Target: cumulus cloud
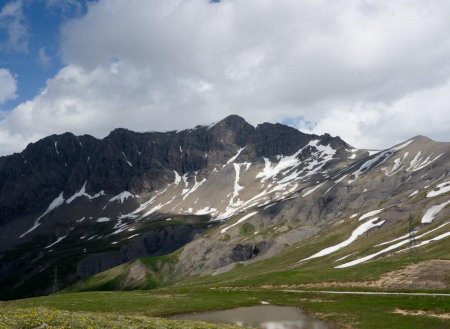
14, 27
8, 86
373, 72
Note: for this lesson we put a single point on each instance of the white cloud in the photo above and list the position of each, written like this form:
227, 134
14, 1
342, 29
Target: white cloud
14, 26
8, 86
43, 58
365, 70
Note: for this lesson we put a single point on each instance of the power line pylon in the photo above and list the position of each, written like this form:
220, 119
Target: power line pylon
412, 238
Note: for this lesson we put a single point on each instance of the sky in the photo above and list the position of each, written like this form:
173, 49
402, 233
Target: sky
374, 73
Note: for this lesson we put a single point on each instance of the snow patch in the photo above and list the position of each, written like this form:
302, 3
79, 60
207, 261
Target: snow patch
237, 187
341, 179
126, 160
420, 162
177, 178
122, 197
407, 235
439, 189
432, 212
187, 192
239, 221
370, 214
205, 211
390, 248
363, 228
57, 241
423, 243
311, 190
235, 157
53, 205
103, 219
82, 193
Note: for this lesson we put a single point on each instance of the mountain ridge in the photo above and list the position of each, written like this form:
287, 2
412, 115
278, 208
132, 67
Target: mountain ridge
212, 193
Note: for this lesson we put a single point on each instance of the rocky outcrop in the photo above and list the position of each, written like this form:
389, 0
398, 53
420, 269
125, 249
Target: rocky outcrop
243, 252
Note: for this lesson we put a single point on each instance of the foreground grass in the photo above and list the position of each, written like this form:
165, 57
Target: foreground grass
343, 311
31, 318
243, 287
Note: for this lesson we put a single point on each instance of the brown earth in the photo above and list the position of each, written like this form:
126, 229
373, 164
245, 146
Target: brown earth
445, 316
433, 274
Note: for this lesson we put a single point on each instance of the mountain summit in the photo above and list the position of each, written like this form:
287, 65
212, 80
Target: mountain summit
85, 205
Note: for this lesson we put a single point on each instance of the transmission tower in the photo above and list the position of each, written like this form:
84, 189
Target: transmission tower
412, 238
55, 280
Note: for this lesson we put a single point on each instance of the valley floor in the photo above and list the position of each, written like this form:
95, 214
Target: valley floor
121, 309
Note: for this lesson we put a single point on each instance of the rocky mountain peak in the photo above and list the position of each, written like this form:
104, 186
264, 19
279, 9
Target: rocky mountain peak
134, 194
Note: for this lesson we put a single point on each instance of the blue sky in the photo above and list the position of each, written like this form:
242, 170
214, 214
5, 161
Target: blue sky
39, 59
374, 72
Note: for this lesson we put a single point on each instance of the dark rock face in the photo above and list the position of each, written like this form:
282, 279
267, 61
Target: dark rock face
271, 139
86, 235
152, 243
127, 160
243, 252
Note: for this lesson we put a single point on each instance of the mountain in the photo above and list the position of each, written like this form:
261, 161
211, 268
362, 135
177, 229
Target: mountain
212, 196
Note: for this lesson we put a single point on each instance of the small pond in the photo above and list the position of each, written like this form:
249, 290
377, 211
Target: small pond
264, 317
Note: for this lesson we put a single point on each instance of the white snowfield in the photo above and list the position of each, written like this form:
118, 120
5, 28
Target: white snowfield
385, 250
281, 177
376, 161
393, 240
103, 219
363, 228
439, 189
425, 242
122, 197
420, 162
126, 160
57, 241
311, 190
431, 213
177, 178
396, 167
370, 164
370, 214
417, 163
54, 204
82, 193
235, 157
239, 221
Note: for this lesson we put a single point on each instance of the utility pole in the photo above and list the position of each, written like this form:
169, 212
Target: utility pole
412, 238
55, 280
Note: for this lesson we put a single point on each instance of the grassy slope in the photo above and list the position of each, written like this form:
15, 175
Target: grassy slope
242, 286
343, 310
39, 317
157, 274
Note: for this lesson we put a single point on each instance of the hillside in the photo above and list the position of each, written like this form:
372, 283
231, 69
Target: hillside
216, 196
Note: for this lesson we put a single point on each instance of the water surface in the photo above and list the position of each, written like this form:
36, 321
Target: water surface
264, 317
